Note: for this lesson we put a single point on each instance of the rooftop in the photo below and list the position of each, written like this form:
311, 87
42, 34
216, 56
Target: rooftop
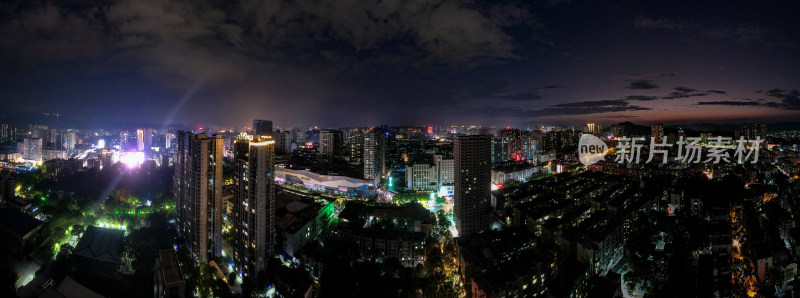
101, 243
170, 269
69, 288
18, 222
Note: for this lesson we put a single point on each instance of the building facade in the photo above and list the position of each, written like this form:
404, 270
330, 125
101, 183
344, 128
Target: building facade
445, 167
283, 142
32, 149
140, 139
472, 183
330, 144
198, 192
374, 155
421, 177
254, 204
354, 144
500, 149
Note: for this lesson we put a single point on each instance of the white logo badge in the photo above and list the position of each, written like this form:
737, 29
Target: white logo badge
591, 149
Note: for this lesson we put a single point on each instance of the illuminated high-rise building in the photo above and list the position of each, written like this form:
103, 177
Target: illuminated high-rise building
593, 128
330, 144
473, 178
52, 138
168, 140
752, 131
32, 149
147, 140
198, 193
560, 139
123, 139
514, 136
445, 168
68, 141
374, 155
500, 149
657, 132
421, 177
254, 204
354, 145
140, 139
531, 143
8, 133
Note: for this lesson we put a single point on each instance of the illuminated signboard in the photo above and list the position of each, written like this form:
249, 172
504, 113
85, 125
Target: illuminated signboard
446, 190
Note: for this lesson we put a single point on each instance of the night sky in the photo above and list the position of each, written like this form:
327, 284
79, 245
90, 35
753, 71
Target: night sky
361, 63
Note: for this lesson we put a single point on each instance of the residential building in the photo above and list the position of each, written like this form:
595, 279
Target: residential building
472, 183
254, 204
330, 144
198, 192
374, 155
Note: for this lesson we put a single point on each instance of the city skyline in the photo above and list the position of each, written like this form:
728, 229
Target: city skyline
438, 62
399, 148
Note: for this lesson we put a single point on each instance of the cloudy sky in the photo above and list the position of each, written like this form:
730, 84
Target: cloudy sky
364, 62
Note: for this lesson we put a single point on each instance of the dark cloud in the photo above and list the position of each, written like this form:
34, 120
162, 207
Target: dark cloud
50, 32
727, 103
651, 75
680, 92
325, 61
564, 109
500, 88
191, 39
527, 95
642, 84
649, 23
789, 99
641, 97
489, 88
590, 107
450, 32
315, 56
684, 92
592, 104
675, 95
685, 89
520, 96
551, 87
746, 34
